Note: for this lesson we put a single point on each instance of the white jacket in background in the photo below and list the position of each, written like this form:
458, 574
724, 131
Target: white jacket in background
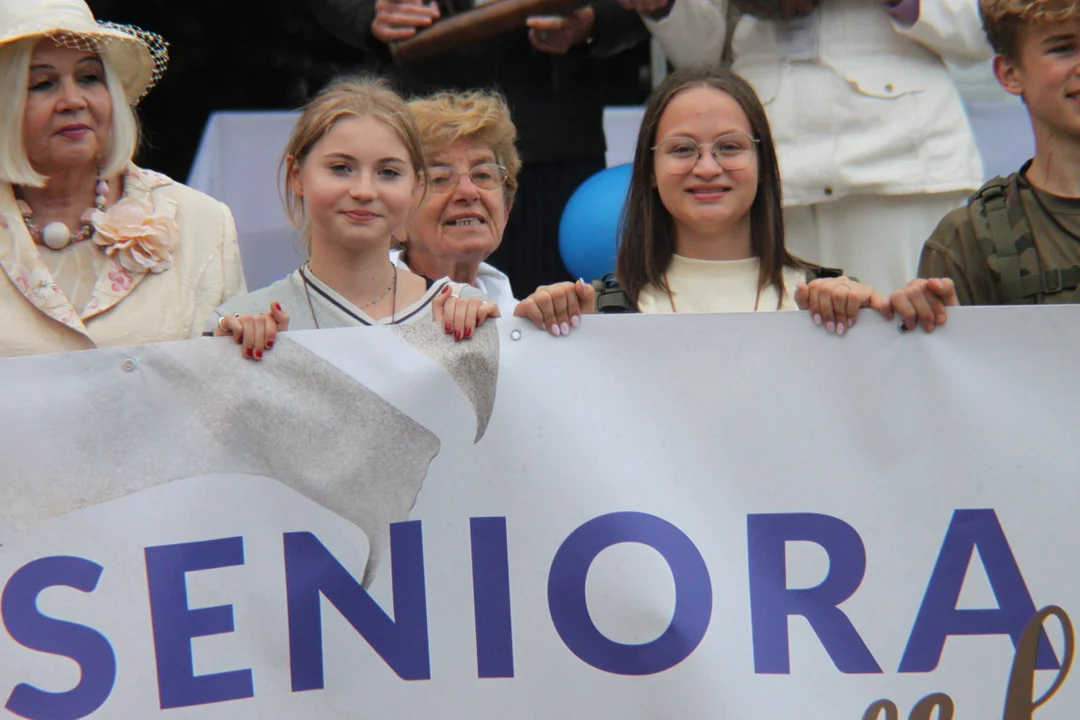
874, 111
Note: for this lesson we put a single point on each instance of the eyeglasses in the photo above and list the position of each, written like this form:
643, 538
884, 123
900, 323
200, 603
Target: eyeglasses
488, 176
732, 151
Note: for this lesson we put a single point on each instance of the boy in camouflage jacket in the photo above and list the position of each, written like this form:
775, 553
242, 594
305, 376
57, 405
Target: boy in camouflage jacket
1018, 239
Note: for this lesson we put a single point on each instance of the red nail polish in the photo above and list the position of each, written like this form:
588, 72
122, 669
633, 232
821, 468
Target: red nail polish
277, 306
449, 327
269, 344
247, 352
457, 335
445, 290
468, 332
258, 354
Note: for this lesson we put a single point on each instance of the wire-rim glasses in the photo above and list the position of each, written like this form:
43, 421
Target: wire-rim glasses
486, 176
731, 151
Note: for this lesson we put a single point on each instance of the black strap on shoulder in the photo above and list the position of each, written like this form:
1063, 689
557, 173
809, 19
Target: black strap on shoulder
822, 273
610, 296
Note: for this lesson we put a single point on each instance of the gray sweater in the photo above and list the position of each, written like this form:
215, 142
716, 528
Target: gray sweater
314, 304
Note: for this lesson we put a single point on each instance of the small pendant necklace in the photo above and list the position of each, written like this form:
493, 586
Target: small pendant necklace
56, 235
391, 288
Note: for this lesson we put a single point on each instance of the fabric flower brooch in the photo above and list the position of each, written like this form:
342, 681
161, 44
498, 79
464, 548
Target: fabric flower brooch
132, 234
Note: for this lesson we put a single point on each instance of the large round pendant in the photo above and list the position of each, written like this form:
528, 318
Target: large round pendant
56, 235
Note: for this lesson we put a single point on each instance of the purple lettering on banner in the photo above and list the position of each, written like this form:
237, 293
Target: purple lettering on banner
86, 646
938, 616
491, 598
311, 571
570, 611
175, 624
772, 602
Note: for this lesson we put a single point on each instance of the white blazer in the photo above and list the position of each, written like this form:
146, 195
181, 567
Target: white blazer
870, 108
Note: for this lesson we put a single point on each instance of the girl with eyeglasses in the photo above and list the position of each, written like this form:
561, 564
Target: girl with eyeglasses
702, 227
353, 173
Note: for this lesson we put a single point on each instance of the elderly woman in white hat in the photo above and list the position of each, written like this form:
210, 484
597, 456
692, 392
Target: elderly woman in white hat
95, 251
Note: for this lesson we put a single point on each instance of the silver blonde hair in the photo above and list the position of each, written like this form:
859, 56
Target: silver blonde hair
15, 166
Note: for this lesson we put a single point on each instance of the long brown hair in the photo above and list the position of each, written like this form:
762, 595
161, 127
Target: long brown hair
648, 230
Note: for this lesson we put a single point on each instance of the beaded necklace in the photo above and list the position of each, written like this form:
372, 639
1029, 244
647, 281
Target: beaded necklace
57, 235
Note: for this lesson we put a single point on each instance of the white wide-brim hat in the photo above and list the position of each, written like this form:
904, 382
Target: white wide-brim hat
137, 57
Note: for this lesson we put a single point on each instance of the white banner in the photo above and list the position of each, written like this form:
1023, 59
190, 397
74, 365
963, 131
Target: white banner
737, 517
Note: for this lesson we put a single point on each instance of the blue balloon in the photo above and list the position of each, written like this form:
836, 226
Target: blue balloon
589, 228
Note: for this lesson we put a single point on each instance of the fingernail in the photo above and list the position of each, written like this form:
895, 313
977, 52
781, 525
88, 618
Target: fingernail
565, 329
277, 306
817, 319
840, 329
555, 330
830, 326
269, 344
247, 352
449, 327
468, 332
575, 321
445, 290
851, 323
258, 354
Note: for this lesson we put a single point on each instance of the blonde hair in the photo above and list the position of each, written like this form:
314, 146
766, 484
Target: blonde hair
15, 166
348, 97
1004, 20
445, 117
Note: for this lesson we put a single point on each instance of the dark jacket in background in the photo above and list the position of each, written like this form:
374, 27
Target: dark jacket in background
557, 101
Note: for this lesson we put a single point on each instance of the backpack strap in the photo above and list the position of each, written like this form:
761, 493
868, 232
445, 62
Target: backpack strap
610, 296
993, 199
817, 272
1010, 236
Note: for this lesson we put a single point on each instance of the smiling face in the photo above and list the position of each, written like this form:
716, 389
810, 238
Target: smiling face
68, 115
357, 185
1046, 73
704, 199
465, 221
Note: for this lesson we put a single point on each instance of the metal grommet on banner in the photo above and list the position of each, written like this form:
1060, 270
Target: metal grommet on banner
515, 334
129, 364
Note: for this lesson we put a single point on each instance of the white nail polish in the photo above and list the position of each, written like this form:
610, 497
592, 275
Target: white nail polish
817, 319
565, 329
555, 329
840, 329
575, 321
